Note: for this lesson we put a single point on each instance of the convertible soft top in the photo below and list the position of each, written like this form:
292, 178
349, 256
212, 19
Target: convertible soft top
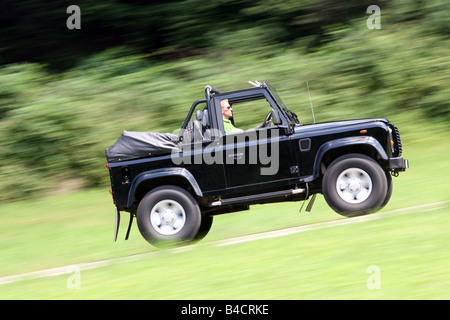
133, 145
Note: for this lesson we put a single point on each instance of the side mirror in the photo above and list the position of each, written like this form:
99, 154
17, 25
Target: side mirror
276, 117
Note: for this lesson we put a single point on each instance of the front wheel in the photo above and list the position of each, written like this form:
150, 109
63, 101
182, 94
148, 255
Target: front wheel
169, 215
354, 185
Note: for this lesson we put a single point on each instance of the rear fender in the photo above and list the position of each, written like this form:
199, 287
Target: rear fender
161, 173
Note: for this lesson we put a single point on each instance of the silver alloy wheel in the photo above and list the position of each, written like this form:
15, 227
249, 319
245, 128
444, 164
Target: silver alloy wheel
354, 185
168, 217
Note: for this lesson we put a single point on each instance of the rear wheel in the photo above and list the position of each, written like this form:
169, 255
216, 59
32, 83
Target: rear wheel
354, 185
169, 215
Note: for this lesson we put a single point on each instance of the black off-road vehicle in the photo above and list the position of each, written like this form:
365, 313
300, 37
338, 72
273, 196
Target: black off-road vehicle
175, 183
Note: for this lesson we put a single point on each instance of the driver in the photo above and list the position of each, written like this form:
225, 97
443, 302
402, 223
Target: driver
227, 113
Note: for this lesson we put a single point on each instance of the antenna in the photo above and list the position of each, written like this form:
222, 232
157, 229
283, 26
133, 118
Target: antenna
310, 102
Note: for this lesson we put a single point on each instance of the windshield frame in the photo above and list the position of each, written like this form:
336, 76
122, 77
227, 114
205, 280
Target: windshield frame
276, 96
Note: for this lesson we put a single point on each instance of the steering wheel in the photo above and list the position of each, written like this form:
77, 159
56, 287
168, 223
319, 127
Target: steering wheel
267, 120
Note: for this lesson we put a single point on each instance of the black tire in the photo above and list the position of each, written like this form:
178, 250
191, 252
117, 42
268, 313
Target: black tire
205, 226
169, 216
354, 185
389, 190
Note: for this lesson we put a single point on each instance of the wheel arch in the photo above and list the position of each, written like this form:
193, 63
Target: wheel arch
146, 181
332, 150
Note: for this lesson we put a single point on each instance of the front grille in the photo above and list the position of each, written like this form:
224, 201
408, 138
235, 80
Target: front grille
397, 141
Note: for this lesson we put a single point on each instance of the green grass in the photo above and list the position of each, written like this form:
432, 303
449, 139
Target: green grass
329, 263
409, 248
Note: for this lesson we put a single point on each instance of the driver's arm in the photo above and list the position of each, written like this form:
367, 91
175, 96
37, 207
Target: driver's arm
262, 124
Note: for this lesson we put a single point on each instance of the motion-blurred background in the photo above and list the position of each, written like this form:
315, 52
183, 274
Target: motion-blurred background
67, 94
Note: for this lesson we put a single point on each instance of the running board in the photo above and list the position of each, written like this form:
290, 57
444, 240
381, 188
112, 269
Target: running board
261, 196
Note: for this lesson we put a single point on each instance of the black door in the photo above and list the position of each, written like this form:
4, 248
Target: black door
262, 157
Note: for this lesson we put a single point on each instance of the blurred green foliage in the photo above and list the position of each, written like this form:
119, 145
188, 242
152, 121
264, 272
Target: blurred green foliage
66, 95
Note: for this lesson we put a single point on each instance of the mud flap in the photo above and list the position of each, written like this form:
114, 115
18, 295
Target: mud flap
129, 226
116, 228
311, 202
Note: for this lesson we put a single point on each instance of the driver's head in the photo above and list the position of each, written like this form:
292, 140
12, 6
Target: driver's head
227, 110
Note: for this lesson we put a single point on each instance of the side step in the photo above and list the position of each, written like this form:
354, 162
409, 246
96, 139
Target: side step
261, 196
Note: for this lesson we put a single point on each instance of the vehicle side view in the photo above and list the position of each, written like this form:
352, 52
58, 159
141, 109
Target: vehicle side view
174, 184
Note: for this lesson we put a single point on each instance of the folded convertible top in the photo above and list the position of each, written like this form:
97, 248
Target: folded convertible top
133, 145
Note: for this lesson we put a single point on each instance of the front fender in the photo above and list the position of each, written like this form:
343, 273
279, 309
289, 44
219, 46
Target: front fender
345, 142
160, 173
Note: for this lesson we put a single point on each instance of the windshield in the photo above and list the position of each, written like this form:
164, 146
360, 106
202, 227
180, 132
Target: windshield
291, 115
